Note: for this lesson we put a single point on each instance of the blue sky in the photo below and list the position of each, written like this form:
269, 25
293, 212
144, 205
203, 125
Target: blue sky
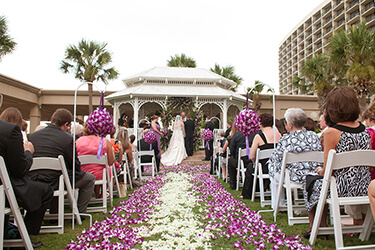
145, 34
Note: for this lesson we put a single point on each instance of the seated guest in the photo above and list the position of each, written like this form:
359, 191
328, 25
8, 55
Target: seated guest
53, 141
371, 196
310, 125
79, 130
237, 141
369, 117
34, 197
264, 139
89, 145
144, 146
132, 140
347, 134
215, 160
298, 140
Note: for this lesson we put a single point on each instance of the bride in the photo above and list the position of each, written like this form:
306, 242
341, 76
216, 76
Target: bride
176, 150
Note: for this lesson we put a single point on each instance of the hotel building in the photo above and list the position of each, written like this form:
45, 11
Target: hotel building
311, 35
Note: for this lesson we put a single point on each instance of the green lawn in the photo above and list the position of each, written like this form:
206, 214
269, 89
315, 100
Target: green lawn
56, 241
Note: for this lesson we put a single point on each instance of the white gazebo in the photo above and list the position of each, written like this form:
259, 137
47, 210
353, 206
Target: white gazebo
149, 91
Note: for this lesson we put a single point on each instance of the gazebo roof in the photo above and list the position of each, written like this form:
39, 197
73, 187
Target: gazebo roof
179, 74
177, 82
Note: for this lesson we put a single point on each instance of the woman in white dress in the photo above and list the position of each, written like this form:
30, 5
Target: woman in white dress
176, 151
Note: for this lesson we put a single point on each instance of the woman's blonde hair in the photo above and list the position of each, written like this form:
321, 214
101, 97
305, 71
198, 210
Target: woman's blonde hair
123, 137
232, 132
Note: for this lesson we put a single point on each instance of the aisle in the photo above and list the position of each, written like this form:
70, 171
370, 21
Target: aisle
183, 208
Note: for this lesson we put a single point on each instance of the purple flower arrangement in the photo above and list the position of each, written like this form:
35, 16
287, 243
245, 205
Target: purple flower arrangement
247, 122
150, 137
100, 123
207, 135
222, 215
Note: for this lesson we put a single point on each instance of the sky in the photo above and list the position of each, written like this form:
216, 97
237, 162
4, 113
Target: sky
144, 34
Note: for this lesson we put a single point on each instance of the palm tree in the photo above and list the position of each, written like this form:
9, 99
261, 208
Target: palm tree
87, 61
227, 72
7, 44
254, 94
181, 61
317, 76
352, 55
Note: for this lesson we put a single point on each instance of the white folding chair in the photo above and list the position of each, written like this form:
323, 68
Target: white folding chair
258, 174
57, 164
137, 166
336, 161
14, 209
92, 159
116, 182
226, 163
125, 171
240, 168
152, 164
289, 158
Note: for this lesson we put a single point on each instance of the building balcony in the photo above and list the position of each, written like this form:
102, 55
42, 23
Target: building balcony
338, 4
370, 20
367, 8
352, 5
339, 12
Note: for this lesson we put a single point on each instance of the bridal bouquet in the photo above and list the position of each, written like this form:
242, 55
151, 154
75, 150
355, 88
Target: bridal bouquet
248, 123
150, 137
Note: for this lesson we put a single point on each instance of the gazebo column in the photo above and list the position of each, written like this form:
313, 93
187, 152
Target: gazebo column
136, 110
35, 117
225, 114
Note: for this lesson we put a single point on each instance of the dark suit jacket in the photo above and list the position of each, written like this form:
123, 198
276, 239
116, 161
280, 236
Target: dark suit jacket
52, 142
239, 141
144, 146
18, 163
210, 126
227, 132
189, 128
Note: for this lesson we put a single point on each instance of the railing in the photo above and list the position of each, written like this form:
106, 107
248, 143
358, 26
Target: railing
352, 3
369, 5
354, 14
338, 2
339, 12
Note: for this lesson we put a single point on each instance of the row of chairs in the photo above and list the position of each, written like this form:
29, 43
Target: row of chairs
294, 204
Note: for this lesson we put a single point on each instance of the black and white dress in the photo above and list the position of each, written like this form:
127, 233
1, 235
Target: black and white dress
351, 181
296, 142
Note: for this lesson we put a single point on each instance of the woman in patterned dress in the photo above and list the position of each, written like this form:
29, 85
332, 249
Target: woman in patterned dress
346, 135
298, 140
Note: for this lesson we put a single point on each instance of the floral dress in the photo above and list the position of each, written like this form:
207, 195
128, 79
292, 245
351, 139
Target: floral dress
296, 142
351, 181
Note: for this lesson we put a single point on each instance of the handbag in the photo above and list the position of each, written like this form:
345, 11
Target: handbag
122, 187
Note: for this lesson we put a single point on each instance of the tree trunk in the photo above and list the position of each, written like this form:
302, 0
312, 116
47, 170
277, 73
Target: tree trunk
90, 98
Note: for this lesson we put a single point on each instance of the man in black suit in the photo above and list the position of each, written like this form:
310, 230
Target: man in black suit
53, 141
229, 129
33, 196
144, 146
189, 135
239, 141
209, 152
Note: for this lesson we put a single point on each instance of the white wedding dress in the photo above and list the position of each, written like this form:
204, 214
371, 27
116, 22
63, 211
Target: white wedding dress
176, 151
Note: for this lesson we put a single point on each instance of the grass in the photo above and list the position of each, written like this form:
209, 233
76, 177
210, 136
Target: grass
59, 241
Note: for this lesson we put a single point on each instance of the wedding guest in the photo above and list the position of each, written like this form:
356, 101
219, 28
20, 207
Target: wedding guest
371, 196
298, 140
122, 120
229, 128
237, 141
280, 127
132, 140
89, 145
79, 131
264, 139
34, 197
24, 130
156, 129
53, 141
346, 135
209, 152
310, 125
369, 117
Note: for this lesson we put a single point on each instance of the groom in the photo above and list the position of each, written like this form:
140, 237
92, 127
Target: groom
189, 135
